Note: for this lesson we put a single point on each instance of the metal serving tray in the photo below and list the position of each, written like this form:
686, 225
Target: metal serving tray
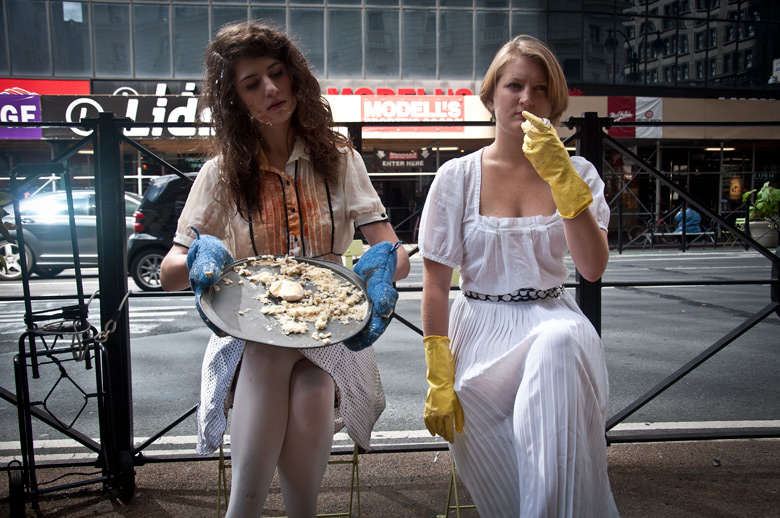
222, 307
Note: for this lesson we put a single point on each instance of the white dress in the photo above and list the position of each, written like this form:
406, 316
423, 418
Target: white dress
531, 376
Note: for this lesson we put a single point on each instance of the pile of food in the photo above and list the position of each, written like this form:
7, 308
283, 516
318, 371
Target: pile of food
297, 294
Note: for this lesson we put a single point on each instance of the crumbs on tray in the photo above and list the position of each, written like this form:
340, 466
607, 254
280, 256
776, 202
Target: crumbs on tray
287, 300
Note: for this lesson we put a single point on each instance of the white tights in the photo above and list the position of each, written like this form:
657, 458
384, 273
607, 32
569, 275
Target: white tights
282, 417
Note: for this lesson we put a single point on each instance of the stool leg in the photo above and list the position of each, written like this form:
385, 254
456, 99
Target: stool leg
453, 491
221, 482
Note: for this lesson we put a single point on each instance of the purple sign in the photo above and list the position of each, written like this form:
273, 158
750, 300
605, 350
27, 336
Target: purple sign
20, 108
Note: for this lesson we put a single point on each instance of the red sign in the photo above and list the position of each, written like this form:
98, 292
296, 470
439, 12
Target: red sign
622, 109
427, 108
43, 87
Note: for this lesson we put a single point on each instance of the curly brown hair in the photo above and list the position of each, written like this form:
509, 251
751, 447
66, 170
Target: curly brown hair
236, 136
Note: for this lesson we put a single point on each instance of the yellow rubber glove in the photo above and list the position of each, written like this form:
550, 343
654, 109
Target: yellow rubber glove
547, 154
443, 413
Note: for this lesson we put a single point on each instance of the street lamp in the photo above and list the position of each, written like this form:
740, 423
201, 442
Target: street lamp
632, 56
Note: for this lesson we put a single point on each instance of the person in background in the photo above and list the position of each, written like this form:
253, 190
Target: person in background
692, 221
517, 377
283, 182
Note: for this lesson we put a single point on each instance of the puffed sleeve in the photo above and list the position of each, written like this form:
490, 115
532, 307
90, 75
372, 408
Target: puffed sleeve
599, 207
441, 223
363, 203
202, 210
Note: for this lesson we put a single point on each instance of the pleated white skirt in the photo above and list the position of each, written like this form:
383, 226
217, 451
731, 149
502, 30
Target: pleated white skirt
533, 383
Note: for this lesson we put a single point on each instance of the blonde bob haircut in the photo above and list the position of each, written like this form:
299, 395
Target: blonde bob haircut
531, 48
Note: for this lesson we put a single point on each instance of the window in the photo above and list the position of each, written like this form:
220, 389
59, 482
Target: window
713, 38
727, 63
728, 34
112, 40
382, 48
595, 33
71, 39
190, 37
24, 25
748, 59
345, 50
682, 72
419, 43
713, 67
737, 62
699, 41
700, 69
683, 44
152, 41
667, 74
456, 58
654, 75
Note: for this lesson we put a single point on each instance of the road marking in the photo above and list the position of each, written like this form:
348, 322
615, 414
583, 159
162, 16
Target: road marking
46, 450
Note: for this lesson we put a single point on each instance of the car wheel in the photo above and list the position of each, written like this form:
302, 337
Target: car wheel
47, 272
13, 265
145, 270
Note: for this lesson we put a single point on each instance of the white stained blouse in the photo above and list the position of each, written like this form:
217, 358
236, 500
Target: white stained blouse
497, 256
300, 217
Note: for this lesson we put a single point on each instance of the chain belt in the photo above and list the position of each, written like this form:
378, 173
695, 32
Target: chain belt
521, 295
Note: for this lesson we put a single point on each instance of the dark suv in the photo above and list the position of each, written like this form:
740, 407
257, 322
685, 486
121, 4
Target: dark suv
155, 226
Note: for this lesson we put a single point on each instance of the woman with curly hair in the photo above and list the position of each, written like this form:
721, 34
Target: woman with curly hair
281, 181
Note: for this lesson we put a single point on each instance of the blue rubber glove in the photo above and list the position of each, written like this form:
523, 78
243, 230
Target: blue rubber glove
376, 267
206, 259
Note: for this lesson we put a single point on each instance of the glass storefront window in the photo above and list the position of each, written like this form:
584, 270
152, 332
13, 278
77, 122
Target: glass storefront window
223, 15
382, 48
307, 27
3, 46
345, 48
566, 41
533, 24
190, 37
70, 39
152, 35
419, 44
419, 3
27, 23
456, 55
274, 15
112, 40
492, 32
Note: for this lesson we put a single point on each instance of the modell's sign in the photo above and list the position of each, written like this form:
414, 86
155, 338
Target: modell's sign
428, 108
413, 160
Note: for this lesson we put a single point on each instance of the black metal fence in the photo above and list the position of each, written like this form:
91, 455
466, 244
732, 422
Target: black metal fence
110, 347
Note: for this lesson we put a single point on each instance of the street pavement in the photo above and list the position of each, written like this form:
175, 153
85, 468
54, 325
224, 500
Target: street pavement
713, 479
716, 478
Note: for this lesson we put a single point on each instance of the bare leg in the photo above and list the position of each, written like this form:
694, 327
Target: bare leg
258, 423
307, 443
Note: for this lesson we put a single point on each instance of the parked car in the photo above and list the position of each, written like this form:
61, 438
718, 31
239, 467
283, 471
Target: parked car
47, 235
155, 226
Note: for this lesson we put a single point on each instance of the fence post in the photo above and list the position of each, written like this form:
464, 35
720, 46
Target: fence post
589, 146
112, 277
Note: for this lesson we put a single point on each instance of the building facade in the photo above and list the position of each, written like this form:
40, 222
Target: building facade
408, 60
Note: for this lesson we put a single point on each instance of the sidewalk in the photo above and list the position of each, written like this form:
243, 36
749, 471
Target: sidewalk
713, 479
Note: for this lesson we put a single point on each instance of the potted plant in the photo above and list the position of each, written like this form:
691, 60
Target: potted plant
764, 218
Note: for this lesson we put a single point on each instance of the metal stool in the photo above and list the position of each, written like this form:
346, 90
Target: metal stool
453, 491
354, 487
